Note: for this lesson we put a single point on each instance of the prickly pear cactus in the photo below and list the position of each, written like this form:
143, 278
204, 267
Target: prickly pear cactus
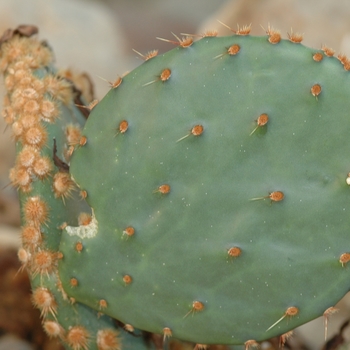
217, 174
40, 107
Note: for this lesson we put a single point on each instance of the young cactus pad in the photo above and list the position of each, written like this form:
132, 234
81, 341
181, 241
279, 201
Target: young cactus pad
217, 177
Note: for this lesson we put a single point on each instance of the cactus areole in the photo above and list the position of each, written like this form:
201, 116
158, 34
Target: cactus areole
218, 183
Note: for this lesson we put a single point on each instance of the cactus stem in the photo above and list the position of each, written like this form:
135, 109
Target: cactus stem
261, 121
196, 307
344, 259
290, 312
329, 312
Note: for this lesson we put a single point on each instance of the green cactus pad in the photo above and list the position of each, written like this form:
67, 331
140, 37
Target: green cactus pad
255, 218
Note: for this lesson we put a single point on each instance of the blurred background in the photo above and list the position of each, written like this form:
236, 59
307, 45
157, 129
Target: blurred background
98, 37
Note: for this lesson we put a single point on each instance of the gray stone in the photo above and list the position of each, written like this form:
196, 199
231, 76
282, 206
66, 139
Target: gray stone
9, 342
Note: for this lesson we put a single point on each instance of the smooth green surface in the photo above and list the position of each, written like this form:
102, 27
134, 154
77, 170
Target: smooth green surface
290, 249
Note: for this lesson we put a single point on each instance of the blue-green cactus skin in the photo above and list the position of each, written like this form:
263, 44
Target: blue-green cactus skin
277, 192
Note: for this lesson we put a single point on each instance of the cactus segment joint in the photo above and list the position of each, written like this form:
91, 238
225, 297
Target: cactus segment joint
84, 231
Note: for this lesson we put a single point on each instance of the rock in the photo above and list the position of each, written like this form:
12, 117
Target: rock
10, 342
